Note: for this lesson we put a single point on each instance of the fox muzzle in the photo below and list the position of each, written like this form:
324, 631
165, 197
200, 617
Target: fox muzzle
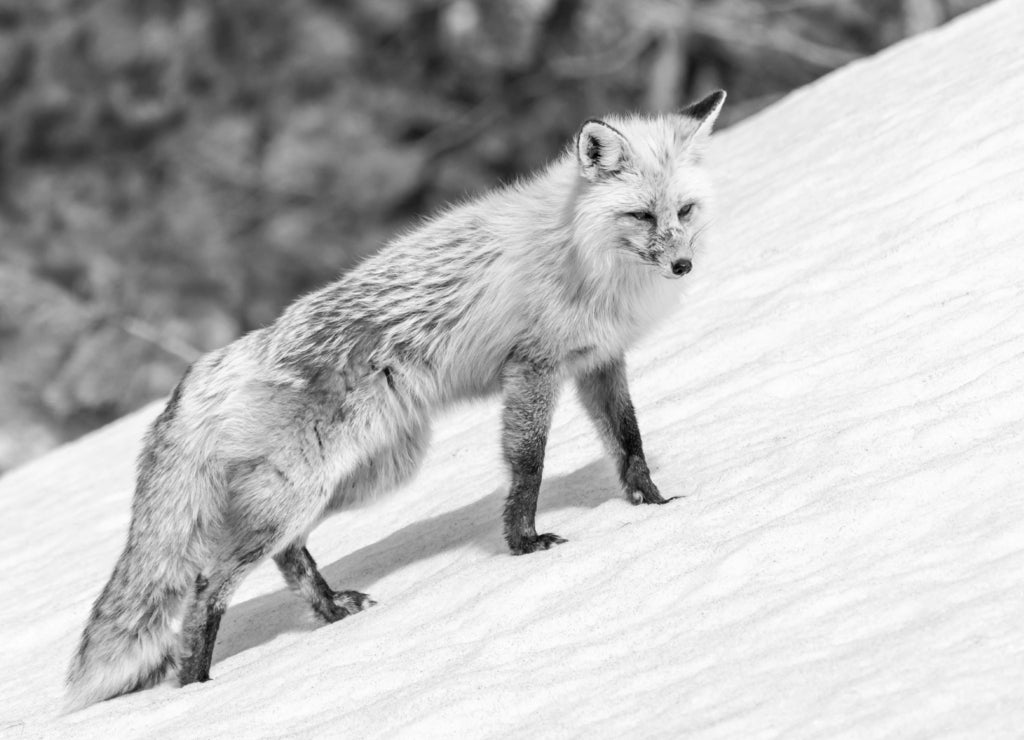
681, 266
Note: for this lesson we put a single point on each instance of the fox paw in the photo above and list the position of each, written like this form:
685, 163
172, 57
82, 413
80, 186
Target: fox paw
649, 496
536, 542
346, 603
640, 489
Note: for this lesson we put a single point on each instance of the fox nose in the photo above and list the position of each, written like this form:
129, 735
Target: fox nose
681, 267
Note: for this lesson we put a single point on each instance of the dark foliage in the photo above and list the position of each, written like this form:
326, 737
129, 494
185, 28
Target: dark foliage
173, 172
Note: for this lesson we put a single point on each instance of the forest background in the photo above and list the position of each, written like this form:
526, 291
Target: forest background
174, 172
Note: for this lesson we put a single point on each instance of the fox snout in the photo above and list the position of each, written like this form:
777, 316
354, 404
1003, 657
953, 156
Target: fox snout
674, 252
681, 266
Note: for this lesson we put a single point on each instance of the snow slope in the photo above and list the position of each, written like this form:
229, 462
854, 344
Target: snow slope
839, 400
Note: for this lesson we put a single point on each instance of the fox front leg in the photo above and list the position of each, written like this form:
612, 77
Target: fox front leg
530, 389
604, 393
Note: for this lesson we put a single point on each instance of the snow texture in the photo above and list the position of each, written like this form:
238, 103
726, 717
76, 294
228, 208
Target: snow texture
839, 399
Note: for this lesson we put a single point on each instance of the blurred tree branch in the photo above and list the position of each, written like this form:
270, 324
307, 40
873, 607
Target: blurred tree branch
173, 172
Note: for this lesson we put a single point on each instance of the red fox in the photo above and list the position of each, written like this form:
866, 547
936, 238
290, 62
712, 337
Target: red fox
545, 280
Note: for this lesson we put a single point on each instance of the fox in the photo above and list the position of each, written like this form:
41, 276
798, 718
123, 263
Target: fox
543, 281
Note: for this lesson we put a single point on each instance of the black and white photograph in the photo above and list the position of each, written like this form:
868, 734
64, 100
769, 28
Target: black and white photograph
512, 368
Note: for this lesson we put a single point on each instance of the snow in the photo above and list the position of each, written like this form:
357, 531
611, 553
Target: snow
838, 399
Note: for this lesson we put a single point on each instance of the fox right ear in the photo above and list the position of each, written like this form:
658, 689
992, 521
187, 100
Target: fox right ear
705, 111
600, 149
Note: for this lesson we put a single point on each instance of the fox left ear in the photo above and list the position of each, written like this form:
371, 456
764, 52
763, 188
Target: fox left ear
705, 111
600, 149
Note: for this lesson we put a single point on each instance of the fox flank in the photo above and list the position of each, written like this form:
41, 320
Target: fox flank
516, 292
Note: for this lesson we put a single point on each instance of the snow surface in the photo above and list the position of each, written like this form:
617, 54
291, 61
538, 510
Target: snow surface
840, 401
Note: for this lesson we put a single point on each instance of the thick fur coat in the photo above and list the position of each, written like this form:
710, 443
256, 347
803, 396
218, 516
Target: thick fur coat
546, 280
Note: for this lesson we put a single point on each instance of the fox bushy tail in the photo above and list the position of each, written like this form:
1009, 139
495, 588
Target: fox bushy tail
131, 639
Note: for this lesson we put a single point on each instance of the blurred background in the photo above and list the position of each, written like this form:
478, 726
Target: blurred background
173, 172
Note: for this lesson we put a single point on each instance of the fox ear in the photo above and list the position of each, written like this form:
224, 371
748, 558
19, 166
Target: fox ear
600, 149
705, 111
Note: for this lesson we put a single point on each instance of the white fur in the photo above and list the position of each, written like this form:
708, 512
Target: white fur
331, 405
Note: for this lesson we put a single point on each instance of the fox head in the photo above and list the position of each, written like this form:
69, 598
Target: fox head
646, 194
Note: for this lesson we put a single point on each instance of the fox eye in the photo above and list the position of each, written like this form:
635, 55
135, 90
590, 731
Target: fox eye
685, 211
645, 216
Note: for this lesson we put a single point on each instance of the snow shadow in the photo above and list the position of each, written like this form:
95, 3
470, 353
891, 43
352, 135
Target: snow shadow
259, 620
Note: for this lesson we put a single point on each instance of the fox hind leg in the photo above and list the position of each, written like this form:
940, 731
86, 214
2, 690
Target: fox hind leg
383, 471
264, 513
202, 621
300, 572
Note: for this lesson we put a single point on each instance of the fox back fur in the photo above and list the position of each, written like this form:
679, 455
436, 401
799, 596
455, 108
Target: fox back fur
542, 281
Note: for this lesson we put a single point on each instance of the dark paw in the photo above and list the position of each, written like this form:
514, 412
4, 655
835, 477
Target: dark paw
537, 542
346, 603
649, 496
190, 672
640, 489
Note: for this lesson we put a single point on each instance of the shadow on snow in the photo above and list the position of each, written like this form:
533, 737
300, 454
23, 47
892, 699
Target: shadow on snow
260, 620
